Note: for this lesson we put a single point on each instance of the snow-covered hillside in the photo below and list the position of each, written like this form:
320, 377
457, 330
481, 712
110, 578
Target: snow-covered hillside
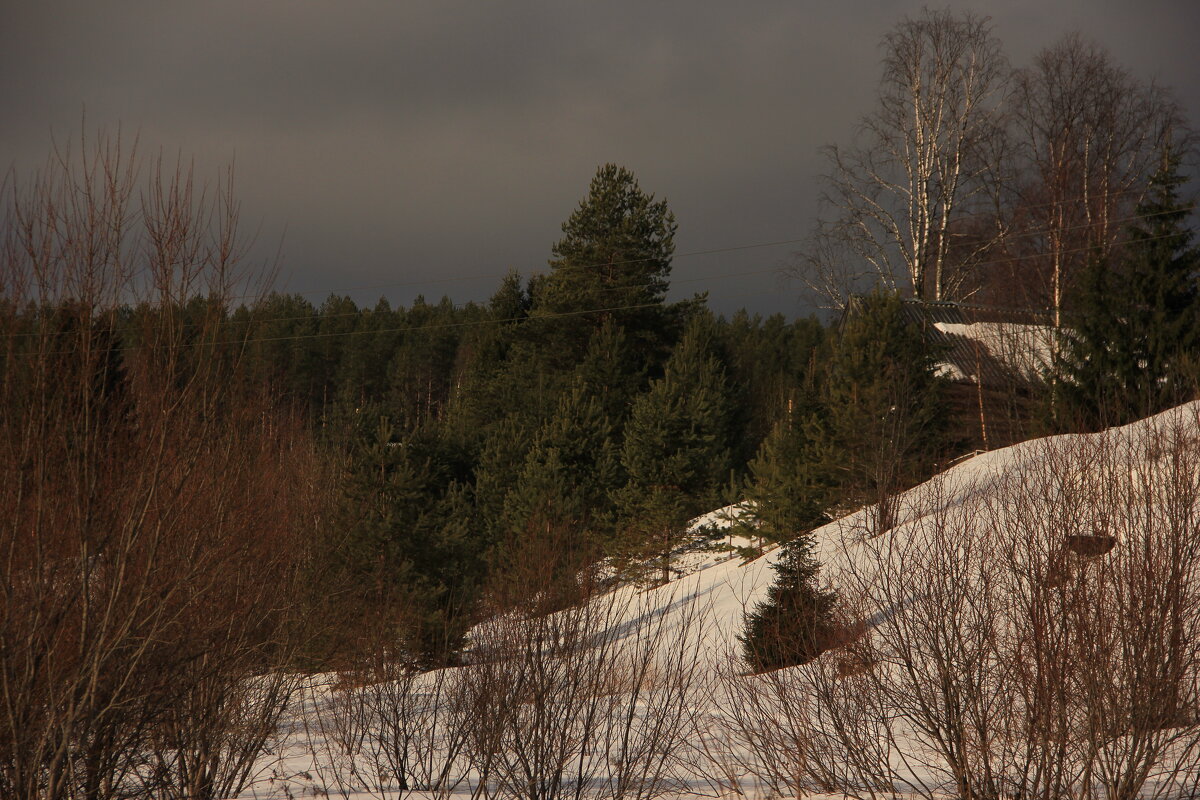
1030, 627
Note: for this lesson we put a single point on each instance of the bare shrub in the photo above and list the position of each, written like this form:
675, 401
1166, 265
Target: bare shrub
591, 701
153, 516
1031, 634
389, 731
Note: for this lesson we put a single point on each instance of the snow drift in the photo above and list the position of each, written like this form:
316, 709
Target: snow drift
1030, 627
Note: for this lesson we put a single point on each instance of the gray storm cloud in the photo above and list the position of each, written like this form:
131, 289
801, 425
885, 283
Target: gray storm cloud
412, 145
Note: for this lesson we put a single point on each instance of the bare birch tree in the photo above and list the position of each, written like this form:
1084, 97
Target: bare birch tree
1088, 137
926, 160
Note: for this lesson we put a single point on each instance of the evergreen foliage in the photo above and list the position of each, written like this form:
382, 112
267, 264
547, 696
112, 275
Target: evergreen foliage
420, 360
568, 474
476, 461
773, 370
795, 623
611, 372
336, 323
409, 548
787, 496
489, 448
483, 380
676, 449
272, 329
787, 493
497, 468
473, 440
613, 263
882, 423
1131, 347
509, 304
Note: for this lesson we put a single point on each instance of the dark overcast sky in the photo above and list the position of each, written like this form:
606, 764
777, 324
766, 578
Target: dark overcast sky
427, 147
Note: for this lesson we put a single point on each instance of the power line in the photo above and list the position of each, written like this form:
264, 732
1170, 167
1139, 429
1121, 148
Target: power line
703, 278
558, 269
248, 340
334, 334
692, 253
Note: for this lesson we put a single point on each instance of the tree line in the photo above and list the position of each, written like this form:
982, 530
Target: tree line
576, 415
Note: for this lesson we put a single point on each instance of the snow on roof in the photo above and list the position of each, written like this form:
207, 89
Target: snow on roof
1025, 350
982, 344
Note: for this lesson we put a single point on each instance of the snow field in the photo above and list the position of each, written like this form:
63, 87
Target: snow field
992, 653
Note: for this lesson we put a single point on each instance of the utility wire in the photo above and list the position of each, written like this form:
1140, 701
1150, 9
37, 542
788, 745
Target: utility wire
692, 253
317, 315
248, 340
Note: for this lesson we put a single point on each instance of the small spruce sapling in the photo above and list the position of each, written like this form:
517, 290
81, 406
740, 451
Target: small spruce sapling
795, 624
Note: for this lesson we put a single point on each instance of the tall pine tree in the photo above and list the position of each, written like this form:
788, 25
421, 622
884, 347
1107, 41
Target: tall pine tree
613, 263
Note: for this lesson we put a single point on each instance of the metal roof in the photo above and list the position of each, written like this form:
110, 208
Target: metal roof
985, 345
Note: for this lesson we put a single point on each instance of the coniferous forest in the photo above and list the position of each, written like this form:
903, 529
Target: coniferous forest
575, 416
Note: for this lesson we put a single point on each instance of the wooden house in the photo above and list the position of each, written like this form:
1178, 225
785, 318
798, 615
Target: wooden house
995, 360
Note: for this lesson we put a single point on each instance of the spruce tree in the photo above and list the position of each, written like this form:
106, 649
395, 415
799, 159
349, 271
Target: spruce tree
795, 623
787, 492
787, 495
881, 426
676, 449
364, 355
497, 468
411, 549
611, 372
568, 474
450, 566
1131, 344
